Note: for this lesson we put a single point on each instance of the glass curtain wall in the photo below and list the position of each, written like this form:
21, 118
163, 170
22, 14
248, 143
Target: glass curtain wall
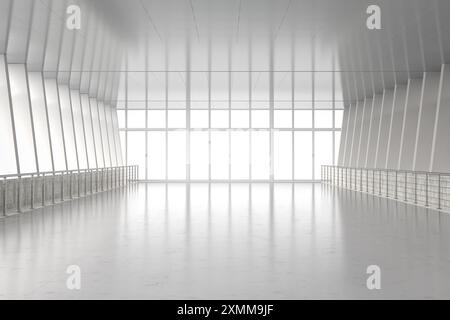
230, 129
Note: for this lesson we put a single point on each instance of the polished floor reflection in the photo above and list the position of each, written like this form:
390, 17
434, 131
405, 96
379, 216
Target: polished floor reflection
226, 241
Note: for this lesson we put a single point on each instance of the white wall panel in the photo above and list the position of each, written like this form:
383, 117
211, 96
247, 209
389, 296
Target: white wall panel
104, 133
374, 130
38, 105
54, 117
90, 139
362, 153
441, 150
97, 133
112, 141
349, 134
7, 154
427, 117
361, 106
22, 118
79, 128
343, 142
409, 125
68, 128
385, 123
395, 131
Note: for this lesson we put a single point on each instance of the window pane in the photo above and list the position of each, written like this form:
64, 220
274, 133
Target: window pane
121, 118
260, 119
199, 155
156, 119
136, 151
156, 155
177, 90
79, 129
97, 133
338, 118
177, 119
89, 131
323, 151
323, 87
219, 86
323, 118
40, 121
177, 155
303, 119
260, 155
69, 138
260, 90
105, 135
199, 119
116, 137
283, 119
303, 89
199, 89
239, 155
337, 144
303, 155
219, 119
219, 155
283, 90
136, 119
112, 142
55, 124
239, 119
22, 118
123, 143
283, 155
7, 155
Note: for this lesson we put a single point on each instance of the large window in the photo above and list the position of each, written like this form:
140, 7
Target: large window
7, 155
38, 105
22, 118
226, 132
54, 117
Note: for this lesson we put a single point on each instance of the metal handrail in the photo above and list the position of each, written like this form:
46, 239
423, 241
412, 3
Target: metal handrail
423, 188
19, 188
18, 175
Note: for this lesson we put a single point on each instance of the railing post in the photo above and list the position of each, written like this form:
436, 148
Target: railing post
396, 184
70, 173
361, 178
346, 178
439, 191
387, 183
426, 189
43, 190
19, 183
379, 182
62, 186
415, 187
406, 186
367, 180
78, 183
5, 193
85, 182
53, 187
32, 191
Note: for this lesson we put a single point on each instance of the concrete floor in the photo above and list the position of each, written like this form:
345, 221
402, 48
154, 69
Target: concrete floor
235, 242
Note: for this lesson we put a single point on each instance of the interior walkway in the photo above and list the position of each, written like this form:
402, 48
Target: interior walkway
285, 242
